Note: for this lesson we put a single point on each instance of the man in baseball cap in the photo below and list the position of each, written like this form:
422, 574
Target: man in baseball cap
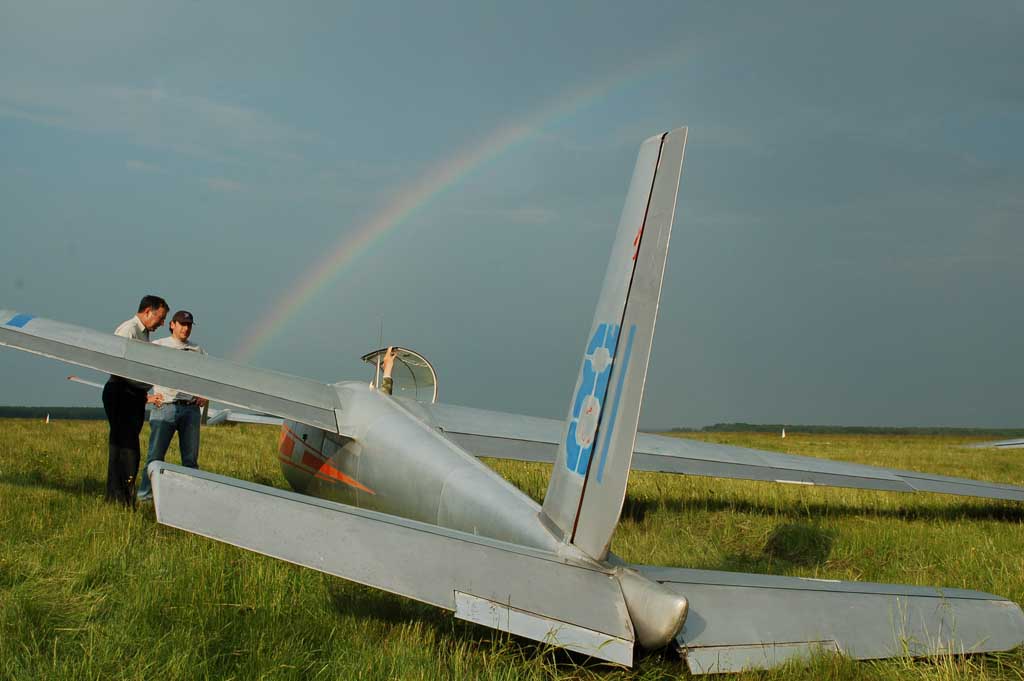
183, 317
174, 411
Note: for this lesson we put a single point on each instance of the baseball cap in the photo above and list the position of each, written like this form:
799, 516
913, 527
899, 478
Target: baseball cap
182, 317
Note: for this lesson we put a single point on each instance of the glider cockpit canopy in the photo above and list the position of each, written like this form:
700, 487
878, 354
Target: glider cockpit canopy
412, 374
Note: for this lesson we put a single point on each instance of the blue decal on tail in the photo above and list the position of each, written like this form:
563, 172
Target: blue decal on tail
19, 320
586, 407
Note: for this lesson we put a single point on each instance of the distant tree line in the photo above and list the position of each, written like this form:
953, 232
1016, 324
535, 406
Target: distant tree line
852, 430
63, 413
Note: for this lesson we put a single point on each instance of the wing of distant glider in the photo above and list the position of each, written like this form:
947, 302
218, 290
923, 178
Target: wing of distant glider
528, 438
1002, 444
291, 397
513, 588
747, 621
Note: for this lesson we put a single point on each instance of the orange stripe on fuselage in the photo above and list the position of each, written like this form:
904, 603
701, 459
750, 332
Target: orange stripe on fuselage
326, 469
285, 444
314, 459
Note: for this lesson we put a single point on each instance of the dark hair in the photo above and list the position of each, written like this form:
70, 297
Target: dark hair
152, 301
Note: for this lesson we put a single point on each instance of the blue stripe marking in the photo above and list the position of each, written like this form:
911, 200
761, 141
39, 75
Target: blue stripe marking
615, 405
19, 320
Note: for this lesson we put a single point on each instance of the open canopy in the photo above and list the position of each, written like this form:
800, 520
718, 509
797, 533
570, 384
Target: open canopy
412, 374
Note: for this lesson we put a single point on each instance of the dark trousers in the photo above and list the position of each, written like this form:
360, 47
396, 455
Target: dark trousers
125, 405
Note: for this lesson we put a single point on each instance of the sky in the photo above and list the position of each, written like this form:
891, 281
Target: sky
848, 238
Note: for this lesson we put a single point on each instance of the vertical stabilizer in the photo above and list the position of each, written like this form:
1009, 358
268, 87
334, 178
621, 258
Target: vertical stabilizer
588, 481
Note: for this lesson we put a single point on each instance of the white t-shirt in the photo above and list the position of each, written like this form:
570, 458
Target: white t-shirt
171, 342
132, 328
135, 330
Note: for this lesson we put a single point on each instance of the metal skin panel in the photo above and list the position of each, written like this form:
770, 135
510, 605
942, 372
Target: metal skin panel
222, 415
214, 416
690, 576
605, 487
528, 438
413, 471
788, 616
737, 658
504, 448
473, 421
267, 391
500, 616
586, 407
405, 557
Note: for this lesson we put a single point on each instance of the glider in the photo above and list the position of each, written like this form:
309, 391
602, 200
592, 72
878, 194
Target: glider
388, 493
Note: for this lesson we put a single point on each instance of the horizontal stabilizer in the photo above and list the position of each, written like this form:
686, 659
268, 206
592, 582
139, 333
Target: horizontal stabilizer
529, 438
744, 621
292, 397
517, 589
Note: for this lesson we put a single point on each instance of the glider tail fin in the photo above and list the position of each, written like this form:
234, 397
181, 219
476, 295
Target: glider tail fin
588, 481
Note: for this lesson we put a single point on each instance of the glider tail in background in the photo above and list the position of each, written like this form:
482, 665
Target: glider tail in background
588, 481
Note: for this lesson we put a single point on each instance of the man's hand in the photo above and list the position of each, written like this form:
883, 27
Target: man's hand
389, 361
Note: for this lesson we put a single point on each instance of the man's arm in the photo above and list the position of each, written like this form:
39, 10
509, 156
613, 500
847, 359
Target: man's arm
386, 383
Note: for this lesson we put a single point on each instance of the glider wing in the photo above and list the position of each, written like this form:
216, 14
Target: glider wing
747, 621
513, 588
291, 397
528, 438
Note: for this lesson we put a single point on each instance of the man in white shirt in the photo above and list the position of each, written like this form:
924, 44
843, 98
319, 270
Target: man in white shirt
174, 410
124, 402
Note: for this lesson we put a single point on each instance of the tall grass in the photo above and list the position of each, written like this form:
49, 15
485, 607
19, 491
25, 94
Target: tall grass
88, 590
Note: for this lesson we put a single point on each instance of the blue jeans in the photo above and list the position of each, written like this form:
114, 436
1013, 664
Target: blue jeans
163, 421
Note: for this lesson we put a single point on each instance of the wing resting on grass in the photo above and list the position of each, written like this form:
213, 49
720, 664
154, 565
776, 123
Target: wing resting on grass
528, 438
291, 397
742, 621
513, 588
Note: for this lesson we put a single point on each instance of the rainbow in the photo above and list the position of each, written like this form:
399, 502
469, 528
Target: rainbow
434, 180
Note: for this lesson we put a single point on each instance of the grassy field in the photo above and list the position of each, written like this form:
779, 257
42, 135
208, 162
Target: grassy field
88, 590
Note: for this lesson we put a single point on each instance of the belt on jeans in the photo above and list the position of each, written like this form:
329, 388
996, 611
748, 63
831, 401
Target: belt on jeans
192, 401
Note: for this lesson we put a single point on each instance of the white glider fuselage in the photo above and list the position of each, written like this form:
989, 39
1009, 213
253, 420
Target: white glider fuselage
396, 462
